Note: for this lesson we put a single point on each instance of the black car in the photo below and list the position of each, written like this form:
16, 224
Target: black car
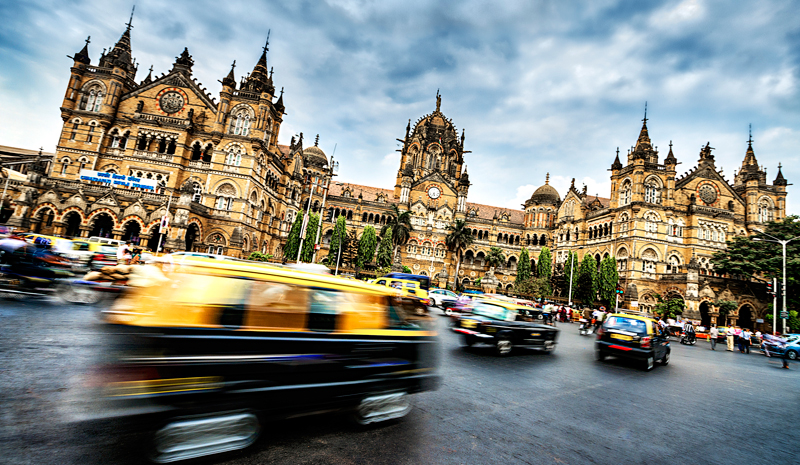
633, 337
504, 325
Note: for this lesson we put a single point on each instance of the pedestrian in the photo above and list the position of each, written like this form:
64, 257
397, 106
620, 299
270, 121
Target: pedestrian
713, 334
729, 337
744, 337
122, 251
736, 331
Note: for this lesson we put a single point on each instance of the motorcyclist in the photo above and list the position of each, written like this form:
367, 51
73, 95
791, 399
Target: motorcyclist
688, 331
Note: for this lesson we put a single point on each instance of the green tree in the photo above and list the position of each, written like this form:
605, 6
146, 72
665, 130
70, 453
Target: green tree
406, 269
385, 249
608, 279
293, 240
308, 243
725, 308
668, 308
495, 257
545, 269
747, 258
458, 239
523, 268
338, 239
534, 287
366, 247
399, 225
586, 290
259, 257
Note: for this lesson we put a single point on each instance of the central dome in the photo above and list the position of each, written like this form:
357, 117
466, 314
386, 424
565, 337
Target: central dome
546, 193
314, 155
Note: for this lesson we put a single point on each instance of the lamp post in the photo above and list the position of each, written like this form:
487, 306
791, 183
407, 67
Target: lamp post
571, 271
333, 171
783, 246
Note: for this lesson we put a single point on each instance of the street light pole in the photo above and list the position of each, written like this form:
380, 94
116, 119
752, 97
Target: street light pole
334, 168
783, 246
571, 270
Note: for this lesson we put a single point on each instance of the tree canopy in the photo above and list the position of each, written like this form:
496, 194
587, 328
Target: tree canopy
366, 246
608, 278
747, 258
293, 240
458, 239
495, 257
523, 268
586, 290
545, 268
399, 225
308, 243
337, 239
385, 249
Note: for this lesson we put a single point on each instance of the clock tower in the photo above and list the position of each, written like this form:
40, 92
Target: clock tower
432, 174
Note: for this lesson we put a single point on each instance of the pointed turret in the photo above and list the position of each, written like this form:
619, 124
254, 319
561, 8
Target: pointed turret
184, 62
617, 165
643, 143
279, 104
260, 79
750, 155
779, 179
670, 160
83, 55
230, 79
149, 77
120, 55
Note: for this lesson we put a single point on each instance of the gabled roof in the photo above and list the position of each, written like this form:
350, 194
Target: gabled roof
708, 173
176, 79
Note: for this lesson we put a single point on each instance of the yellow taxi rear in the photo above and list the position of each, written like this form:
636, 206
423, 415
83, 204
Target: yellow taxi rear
633, 337
217, 343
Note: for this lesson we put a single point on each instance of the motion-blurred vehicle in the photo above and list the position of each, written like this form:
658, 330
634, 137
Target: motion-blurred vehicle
504, 325
205, 356
633, 337
106, 241
407, 288
442, 298
103, 255
792, 348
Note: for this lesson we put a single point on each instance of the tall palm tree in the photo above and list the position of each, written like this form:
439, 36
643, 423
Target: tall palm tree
495, 257
457, 240
401, 228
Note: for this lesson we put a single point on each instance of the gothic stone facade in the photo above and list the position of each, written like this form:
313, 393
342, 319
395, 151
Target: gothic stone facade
224, 181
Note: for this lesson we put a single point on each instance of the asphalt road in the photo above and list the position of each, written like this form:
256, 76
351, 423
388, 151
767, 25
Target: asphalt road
564, 408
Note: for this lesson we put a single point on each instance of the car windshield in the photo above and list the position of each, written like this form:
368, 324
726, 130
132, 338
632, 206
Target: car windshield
494, 312
107, 249
410, 284
627, 324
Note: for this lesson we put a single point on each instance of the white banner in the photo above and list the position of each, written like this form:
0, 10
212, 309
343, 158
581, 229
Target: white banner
119, 180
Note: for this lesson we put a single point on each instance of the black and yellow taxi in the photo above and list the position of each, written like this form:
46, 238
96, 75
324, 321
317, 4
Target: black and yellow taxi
634, 337
504, 325
212, 347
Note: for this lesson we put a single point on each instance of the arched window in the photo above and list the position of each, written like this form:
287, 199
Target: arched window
674, 264
764, 210
240, 121
234, 156
90, 134
197, 194
651, 223
83, 162
65, 162
92, 98
74, 133
622, 260
625, 193
651, 191
225, 197
649, 259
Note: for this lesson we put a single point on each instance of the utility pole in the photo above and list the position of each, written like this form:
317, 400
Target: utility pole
783, 245
334, 169
305, 220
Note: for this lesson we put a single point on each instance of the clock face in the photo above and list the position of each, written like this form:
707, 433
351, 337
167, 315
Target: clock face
171, 102
708, 194
434, 192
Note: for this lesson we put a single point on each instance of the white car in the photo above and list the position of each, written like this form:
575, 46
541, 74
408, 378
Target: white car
442, 297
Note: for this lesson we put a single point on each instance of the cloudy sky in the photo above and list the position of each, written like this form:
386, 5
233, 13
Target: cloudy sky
548, 86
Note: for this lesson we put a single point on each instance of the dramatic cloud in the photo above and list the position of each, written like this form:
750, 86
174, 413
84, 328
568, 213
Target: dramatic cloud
539, 86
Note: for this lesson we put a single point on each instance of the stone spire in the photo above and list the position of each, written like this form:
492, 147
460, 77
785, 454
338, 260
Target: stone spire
750, 155
279, 104
670, 160
120, 55
260, 79
149, 77
230, 79
779, 179
184, 62
83, 55
617, 165
644, 143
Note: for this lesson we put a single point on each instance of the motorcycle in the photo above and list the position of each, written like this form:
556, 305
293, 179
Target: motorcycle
688, 339
585, 328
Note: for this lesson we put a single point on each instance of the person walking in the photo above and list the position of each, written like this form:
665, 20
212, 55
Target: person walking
744, 337
122, 252
729, 337
713, 334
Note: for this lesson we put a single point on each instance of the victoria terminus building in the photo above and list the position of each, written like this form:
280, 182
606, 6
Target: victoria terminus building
228, 187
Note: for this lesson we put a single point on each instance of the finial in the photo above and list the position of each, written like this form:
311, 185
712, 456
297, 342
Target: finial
779, 166
130, 21
266, 45
547, 179
438, 100
670, 145
271, 72
645, 113
281, 91
233, 65
316, 141
617, 151
750, 139
88, 39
